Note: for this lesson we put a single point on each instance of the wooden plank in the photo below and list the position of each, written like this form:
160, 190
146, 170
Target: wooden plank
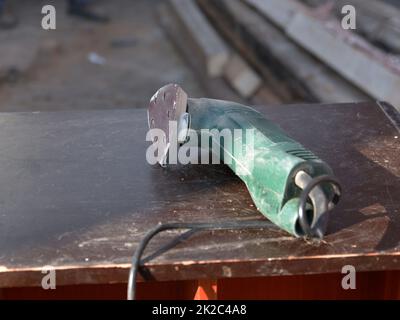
215, 87
241, 77
280, 12
204, 39
291, 72
265, 95
249, 47
346, 53
78, 194
369, 285
165, 290
379, 22
376, 20
365, 71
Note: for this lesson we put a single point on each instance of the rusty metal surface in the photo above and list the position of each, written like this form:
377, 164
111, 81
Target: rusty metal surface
76, 193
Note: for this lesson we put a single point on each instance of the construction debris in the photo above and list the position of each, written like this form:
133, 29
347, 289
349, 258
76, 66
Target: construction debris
348, 54
201, 36
241, 77
214, 86
377, 21
200, 41
290, 71
289, 51
95, 58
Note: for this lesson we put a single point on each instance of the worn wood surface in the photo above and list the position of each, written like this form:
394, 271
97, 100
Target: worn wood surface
78, 194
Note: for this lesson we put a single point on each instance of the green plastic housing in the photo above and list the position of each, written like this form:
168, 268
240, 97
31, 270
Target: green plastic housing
269, 169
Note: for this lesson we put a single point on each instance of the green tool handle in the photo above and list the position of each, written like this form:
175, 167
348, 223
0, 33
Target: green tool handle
270, 167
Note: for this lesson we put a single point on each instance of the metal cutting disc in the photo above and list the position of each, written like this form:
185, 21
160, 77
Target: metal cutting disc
167, 104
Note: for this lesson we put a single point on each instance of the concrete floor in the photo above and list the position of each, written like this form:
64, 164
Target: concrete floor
50, 70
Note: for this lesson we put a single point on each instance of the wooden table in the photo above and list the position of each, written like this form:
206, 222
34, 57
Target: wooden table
77, 193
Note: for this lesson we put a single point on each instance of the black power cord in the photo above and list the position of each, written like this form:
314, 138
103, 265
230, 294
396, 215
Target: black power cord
230, 225
308, 231
136, 259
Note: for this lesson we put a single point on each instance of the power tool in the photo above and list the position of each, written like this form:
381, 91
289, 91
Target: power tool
276, 169
289, 185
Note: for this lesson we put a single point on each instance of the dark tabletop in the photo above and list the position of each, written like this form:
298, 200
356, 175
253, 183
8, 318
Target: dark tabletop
77, 193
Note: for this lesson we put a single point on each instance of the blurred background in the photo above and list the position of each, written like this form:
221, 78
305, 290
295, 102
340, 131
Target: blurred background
85, 64
116, 54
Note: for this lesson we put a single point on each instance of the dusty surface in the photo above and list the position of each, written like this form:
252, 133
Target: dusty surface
77, 193
50, 70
